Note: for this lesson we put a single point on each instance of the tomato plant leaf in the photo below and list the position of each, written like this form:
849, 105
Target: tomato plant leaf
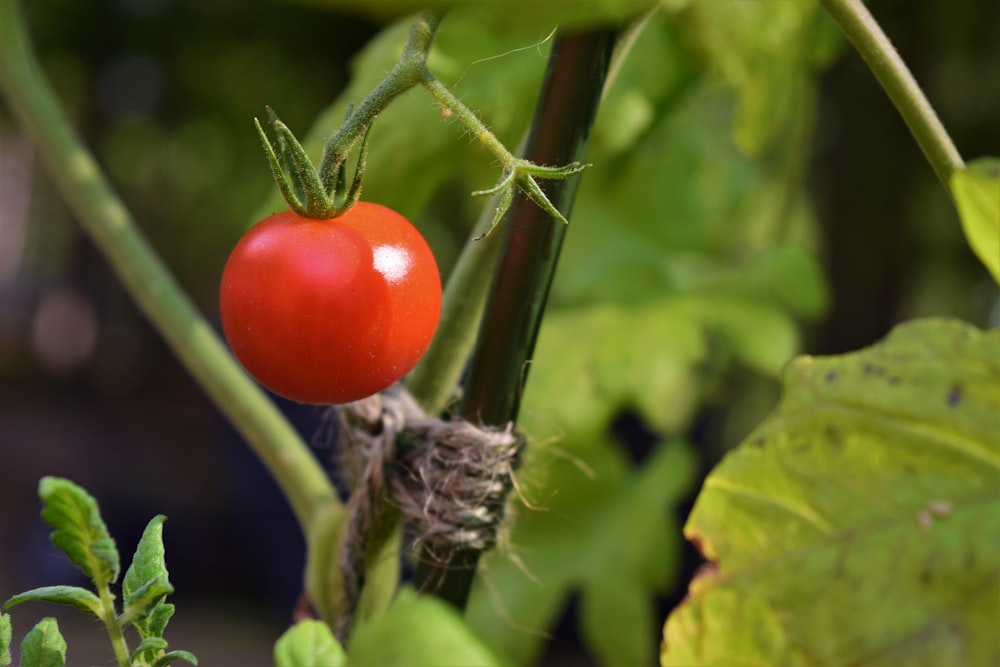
309, 643
72, 596
44, 645
146, 582
859, 523
418, 630
5, 637
593, 364
80, 532
632, 556
766, 50
977, 195
627, 550
174, 656
150, 645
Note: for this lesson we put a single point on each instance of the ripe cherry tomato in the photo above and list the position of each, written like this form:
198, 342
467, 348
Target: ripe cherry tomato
330, 311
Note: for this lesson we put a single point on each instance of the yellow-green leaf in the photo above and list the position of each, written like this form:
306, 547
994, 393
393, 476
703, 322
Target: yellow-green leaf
977, 195
860, 524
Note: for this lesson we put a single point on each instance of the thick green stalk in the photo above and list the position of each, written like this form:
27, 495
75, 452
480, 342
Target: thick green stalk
867, 36
433, 382
148, 280
111, 623
531, 243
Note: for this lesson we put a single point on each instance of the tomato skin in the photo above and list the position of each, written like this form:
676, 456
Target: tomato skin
330, 311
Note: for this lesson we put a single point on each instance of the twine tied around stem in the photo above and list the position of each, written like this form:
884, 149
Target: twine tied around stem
449, 479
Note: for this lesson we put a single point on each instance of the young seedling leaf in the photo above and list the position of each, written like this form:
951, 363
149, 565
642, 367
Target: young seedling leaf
44, 646
146, 581
977, 195
418, 630
173, 656
80, 532
309, 643
859, 524
156, 621
145, 600
151, 646
5, 637
72, 596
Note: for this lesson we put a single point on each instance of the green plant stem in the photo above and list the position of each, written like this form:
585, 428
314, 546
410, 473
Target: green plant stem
447, 99
433, 382
867, 36
110, 620
530, 249
148, 280
409, 71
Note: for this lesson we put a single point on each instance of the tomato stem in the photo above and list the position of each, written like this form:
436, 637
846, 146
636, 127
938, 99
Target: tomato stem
315, 192
864, 32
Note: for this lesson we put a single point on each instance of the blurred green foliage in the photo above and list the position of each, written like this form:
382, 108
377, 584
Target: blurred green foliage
165, 91
694, 268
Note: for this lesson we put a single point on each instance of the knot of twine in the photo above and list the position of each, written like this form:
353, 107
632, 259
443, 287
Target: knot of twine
449, 479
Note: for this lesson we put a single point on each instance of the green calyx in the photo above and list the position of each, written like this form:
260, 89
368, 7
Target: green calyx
307, 191
324, 193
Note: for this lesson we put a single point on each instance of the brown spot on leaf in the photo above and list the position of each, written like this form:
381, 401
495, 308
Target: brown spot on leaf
955, 395
873, 369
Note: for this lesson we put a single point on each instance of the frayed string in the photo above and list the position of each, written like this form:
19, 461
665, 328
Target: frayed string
449, 479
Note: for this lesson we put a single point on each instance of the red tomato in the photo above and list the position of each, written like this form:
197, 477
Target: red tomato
330, 311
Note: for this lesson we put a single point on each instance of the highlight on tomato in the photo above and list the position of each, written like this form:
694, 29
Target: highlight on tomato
330, 311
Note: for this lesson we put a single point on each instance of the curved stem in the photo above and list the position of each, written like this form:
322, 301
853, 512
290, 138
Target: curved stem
433, 382
867, 36
147, 279
110, 620
408, 72
447, 99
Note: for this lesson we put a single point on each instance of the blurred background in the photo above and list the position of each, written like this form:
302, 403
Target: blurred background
164, 92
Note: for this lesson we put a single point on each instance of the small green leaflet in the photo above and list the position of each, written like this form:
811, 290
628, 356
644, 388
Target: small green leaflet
146, 583
418, 630
5, 636
73, 596
860, 523
80, 532
44, 646
309, 643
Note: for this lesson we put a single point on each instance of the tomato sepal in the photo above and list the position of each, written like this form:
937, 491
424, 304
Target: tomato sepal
307, 192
